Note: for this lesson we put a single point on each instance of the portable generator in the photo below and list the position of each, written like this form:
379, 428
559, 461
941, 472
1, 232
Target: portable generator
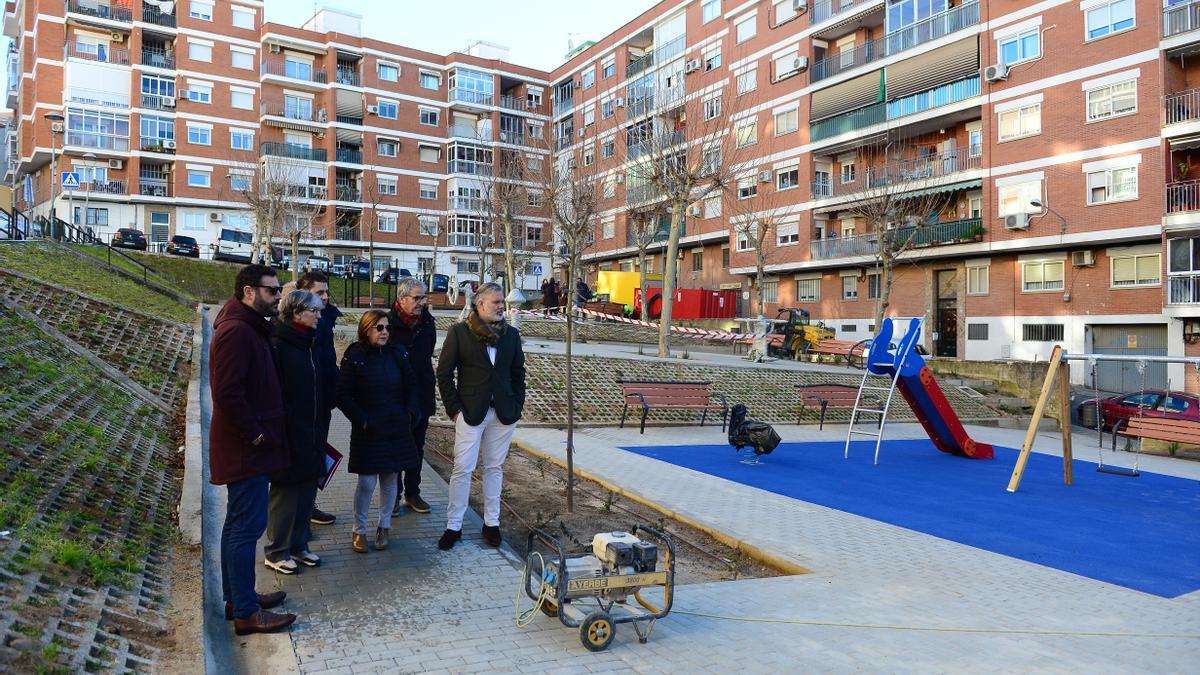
592, 591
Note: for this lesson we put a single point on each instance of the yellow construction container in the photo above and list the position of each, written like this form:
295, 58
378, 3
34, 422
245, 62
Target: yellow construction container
620, 286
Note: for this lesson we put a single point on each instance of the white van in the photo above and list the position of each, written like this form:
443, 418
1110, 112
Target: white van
235, 245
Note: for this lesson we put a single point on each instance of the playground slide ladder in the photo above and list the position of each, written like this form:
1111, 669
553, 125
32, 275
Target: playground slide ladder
879, 413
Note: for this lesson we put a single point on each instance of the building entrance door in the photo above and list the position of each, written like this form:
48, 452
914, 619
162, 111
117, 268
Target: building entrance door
946, 313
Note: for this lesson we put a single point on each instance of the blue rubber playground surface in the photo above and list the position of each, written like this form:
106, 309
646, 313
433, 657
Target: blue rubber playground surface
1141, 533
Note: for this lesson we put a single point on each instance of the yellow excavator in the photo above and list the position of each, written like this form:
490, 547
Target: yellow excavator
793, 333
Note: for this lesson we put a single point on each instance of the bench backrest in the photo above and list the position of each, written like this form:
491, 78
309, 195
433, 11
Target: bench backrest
837, 346
1157, 423
829, 392
661, 392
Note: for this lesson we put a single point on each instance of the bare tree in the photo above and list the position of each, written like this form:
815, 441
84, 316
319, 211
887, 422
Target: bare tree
267, 187
761, 203
644, 227
297, 226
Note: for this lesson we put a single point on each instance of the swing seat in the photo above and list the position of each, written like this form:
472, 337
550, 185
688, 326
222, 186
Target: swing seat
1118, 471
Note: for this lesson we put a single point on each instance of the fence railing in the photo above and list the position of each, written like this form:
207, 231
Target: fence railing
109, 99
157, 102
348, 155
470, 96
934, 98
1181, 18
347, 193
154, 188
825, 9
276, 149
293, 70
917, 236
897, 172
1183, 289
476, 168
108, 187
157, 17
156, 144
102, 10
1183, 196
516, 103
99, 142
158, 58
663, 141
103, 54
855, 119
347, 76
292, 111
1182, 106
343, 233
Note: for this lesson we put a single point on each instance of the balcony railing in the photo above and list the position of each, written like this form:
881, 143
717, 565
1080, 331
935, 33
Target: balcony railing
919, 236
936, 26
460, 203
307, 191
103, 54
348, 155
822, 187
470, 96
293, 70
156, 144
664, 140
460, 239
158, 58
347, 76
906, 171
563, 105
107, 187
824, 9
462, 166
345, 233
156, 102
909, 105
1183, 289
347, 193
516, 103
661, 232
275, 149
108, 99
636, 194
85, 139
293, 112
1181, 18
856, 119
102, 10
154, 188
1183, 196
157, 17
469, 131
662, 54
1182, 106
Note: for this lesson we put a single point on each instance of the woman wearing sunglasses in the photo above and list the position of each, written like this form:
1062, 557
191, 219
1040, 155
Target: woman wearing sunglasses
377, 391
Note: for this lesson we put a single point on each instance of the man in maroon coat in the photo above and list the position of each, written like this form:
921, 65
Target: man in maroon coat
247, 440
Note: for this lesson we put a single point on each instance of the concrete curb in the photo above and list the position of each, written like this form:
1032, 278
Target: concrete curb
191, 499
753, 552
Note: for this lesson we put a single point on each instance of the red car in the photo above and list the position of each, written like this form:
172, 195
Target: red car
1146, 403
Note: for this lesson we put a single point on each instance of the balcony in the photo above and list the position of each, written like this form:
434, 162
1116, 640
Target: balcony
292, 111
919, 236
475, 168
1182, 106
347, 192
101, 10
103, 54
294, 70
108, 99
347, 233
348, 155
470, 96
919, 33
664, 140
104, 187
158, 58
1183, 196
157, 144
347, 76
275, 149
661, 232
663, 54
156, 102
562, 105
909, 105
1181, 18
307, 191
825, 9
636, 194
154, 188
1183, 289
157, 17
460, 203
917, 169
516, 103
83, 139
463, 239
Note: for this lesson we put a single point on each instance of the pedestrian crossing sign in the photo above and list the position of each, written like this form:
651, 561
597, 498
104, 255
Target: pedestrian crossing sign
70, 180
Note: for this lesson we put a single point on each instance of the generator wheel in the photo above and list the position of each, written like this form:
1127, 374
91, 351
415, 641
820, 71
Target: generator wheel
597, 631
549, 609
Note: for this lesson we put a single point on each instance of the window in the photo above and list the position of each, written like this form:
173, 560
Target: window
533, 235
387, 147
785, 10
93, 216
975, 139
977, 331
239, 182
429, 117
386, 185
846, 171
241, 99
389, 110
712, 108
873, 288
241, 139
1042, 332
1021, 122
849, 288
747, 133
201, 179
1136, 270
589, 78
712, 160
155, 130
428, 189
787, 121
1021, 47
200, 10
468, 266
977, 280
747, 187
428, 225
1015, 198
200, 93
609, 68
712, 57
608, 149
534, 199
243, 18
388, 72
195, 221
975, 206
240, 59
1113, 100
1108, 18
200, 51
606, 109
787, 233
1042, 275
712, 206
430, 79
608, 227
725, 257
698, 260
746, 28
199, 135
534, 97
1112, 185
709, 10
589, 155
387, 222
743, 237
808, 290
589, 115
747, 81
786, 65
787, 178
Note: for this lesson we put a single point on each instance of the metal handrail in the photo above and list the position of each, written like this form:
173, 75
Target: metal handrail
1183, 196
279, 69
898, 172
102, 10
158, 58
348, 155
292, 112
294, 151
1182, 106
470, 96
825, 9
111, 55
933, 234
157, 17
1181, 18
1183, 289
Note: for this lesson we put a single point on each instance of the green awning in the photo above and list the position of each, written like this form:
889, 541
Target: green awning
949, 187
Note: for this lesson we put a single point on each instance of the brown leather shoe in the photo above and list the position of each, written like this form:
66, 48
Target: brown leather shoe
449, 539
358, 542
491, 535
381, 538
263, 621
265, 601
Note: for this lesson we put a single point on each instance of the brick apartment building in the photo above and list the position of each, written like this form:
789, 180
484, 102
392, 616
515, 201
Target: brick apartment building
1088, 108
165, 110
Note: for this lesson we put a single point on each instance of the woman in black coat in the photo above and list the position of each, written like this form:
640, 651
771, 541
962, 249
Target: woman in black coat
294, 489
377, 390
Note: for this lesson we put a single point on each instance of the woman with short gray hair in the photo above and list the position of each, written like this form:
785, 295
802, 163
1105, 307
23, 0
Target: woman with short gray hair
294, 489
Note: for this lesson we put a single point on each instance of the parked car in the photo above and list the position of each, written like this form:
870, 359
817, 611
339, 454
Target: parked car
338, 270
393, 275
1158, 403
183, 245
233, 244
127, 237
360, 269
316, 263
278, 259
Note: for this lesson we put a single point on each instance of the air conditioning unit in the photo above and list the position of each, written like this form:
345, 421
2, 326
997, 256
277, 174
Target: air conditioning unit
620, 178
320, 134
618, 103
168, 145
1016, 221
275, 49
800, 6
168, 101
696, 210
579, 133
691, 66
117, 37
372, 110
56, 127
800, 63
1083, 258
117, 164
453, 258
995, 73
215, 217
764, 176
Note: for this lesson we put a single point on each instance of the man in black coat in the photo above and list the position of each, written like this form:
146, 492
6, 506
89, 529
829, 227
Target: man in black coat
318, 284
413, 327
481, 376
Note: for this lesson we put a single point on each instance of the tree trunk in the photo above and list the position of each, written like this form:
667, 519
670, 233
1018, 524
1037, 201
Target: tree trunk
295, 259
642, 281
669, 267
371, 268
760, 264
509, 260
885, 286
571, 264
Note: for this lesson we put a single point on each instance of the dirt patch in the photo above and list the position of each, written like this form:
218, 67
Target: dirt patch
534, 495
184, 651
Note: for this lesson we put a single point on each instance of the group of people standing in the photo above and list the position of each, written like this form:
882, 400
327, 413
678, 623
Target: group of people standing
275, 382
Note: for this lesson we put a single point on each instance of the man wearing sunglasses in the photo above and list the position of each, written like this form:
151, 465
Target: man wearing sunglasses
412, 326
247, 440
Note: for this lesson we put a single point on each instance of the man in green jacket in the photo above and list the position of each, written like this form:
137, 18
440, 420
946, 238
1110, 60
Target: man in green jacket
481, 377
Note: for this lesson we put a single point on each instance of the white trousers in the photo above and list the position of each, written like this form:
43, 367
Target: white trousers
492, 437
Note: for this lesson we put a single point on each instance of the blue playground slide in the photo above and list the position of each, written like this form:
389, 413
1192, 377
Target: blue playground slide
918, 386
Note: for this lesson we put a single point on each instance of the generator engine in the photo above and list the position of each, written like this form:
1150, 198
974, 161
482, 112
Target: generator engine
613, 553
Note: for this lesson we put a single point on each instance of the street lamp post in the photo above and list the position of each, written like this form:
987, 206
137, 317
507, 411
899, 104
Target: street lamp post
53, 118
1039, 204
87, 195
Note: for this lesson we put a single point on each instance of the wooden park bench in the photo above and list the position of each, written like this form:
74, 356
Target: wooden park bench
660, 395
824, 396
1158, 429
853, 352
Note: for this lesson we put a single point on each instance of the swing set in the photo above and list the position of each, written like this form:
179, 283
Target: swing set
1058, 358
